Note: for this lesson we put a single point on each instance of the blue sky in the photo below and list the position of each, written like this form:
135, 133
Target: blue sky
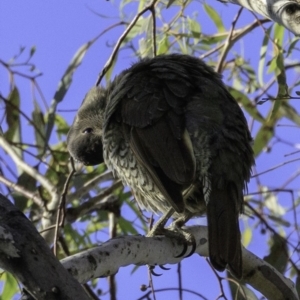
57, 29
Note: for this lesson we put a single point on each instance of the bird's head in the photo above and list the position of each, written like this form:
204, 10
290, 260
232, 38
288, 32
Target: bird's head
84, 139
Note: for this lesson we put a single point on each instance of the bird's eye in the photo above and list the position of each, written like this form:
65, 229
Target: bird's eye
87, 130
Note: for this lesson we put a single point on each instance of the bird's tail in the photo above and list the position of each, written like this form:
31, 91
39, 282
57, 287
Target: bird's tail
223, 230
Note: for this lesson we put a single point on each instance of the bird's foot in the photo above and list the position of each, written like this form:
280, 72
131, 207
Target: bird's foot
183, 237
186, 238
175, 231
159, 226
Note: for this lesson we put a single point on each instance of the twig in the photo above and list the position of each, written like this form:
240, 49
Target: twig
89, 205
153, 30
237, 35
121, 39
60, 217
26, 168
275, 167
90, 185
20, 189
229, 43
180, 289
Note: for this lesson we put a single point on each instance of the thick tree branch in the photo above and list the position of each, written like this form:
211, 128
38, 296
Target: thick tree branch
106, 259
25, 254
284, 12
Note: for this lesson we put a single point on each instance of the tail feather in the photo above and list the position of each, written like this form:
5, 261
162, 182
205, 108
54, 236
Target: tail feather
223, 231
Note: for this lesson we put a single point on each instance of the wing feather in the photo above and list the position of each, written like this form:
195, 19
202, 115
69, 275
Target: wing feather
152, 113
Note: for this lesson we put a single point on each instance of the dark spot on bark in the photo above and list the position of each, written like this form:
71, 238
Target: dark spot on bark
73, 271
250, 274
92, 261
203, 241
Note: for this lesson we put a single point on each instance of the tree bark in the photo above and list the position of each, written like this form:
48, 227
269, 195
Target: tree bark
107, 258
25, 254
284, 12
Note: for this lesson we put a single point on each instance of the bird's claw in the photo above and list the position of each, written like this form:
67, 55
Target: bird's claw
185, 247
164, 268
151, 268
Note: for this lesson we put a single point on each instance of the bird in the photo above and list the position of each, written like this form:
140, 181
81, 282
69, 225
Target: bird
169, 129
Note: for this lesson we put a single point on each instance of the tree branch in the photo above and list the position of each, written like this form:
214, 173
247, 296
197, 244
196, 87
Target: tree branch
284, 12
25, 254
106, 259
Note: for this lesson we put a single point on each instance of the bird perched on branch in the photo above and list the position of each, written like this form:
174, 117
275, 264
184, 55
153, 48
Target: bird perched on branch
168, 127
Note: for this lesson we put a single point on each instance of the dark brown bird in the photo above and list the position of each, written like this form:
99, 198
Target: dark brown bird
172, 132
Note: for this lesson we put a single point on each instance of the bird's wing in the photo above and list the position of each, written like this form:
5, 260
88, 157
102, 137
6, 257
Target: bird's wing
152, 113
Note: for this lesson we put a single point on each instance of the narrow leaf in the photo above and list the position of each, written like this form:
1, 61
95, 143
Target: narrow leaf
64, 85
13, 134
247, 104
215, 17
278, 256
39, 127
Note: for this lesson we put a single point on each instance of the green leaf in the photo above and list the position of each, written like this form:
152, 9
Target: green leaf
247, 236
12, 107
10, 287
75, 240
13, 116
170, 2
194, 29
29, 183
282, 85
278, 256
142, 4
214, 39
146, 43
271, 202
292, 46
163, 45
215, 17
62, 126
39, 128
126, 227
262, 54
278, 34
64, 85
263, 137
288, 111
247, 104
67, 78
110, 70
